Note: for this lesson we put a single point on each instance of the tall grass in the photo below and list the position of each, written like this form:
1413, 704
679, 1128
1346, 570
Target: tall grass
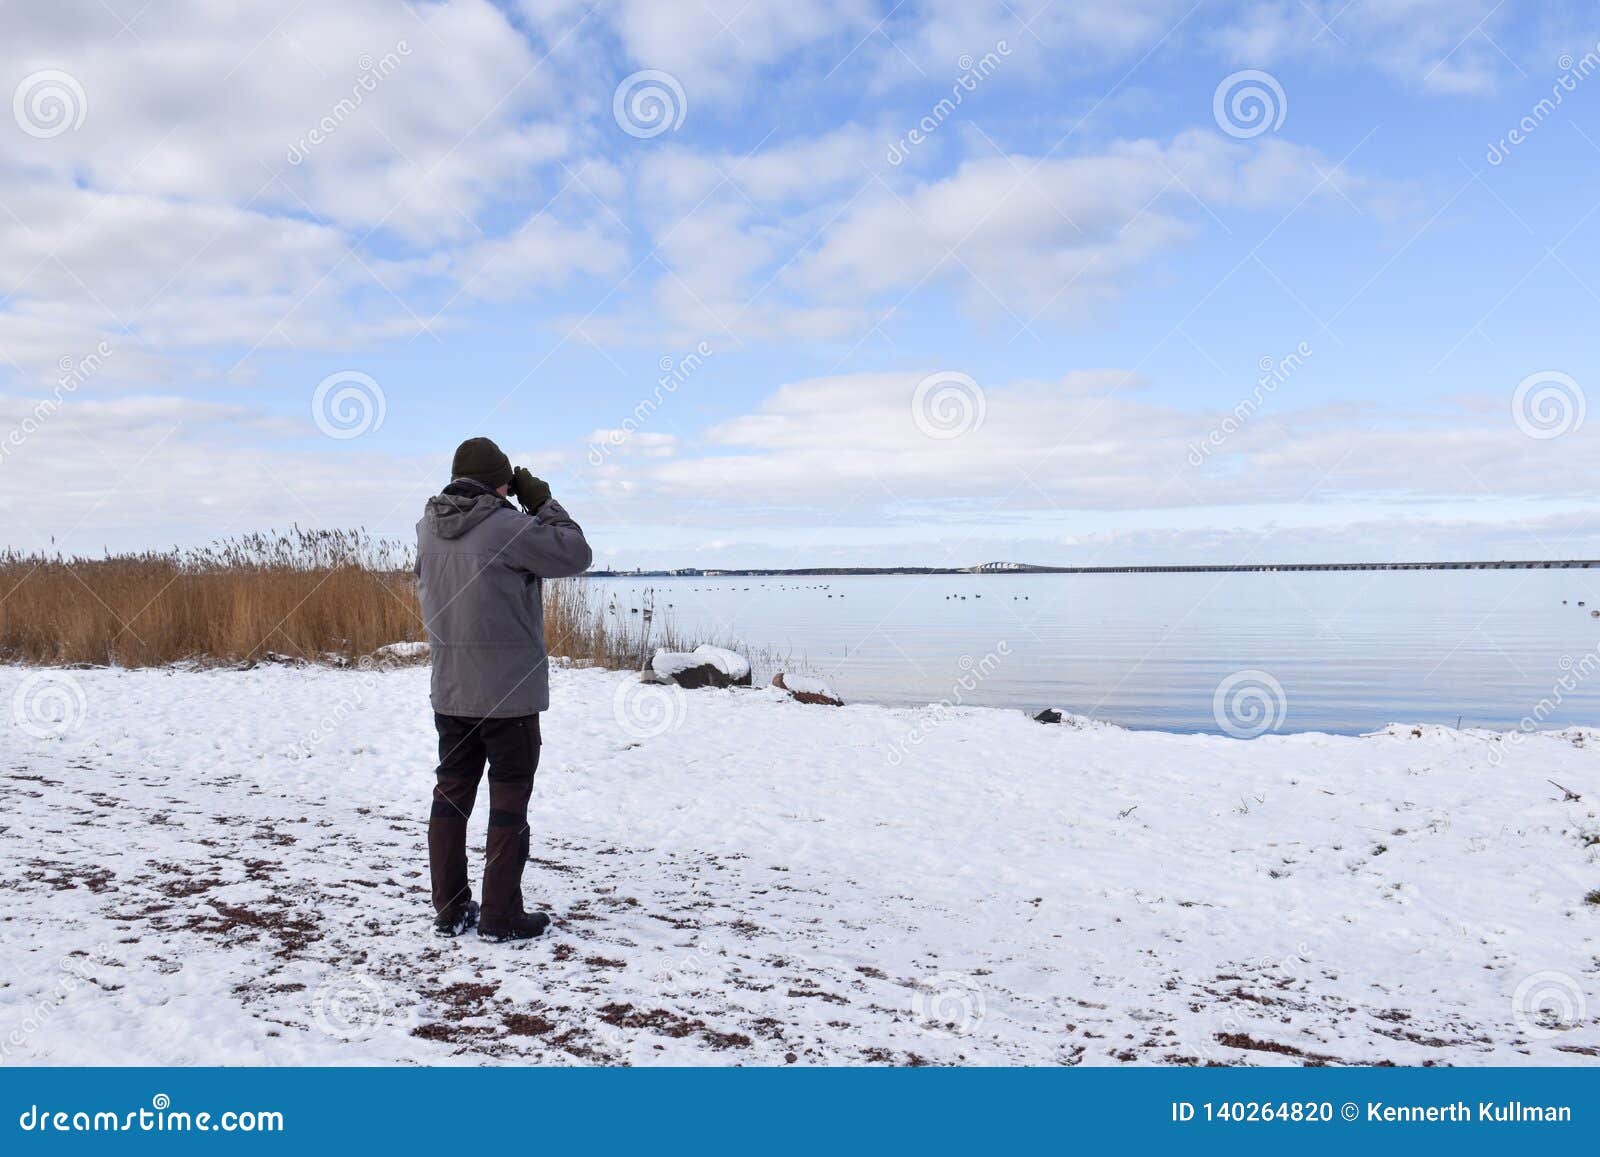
579, 626
304, 594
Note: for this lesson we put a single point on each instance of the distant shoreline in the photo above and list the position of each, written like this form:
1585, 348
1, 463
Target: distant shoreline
1026, 568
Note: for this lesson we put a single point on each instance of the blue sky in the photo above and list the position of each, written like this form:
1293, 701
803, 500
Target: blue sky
1038, 333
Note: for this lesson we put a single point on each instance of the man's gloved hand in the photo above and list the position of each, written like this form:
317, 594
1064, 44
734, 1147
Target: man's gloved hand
530, 491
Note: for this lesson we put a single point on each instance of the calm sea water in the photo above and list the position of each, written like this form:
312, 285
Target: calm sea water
1337, 651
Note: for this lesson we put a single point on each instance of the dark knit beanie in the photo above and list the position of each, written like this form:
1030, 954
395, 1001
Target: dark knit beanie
482, 461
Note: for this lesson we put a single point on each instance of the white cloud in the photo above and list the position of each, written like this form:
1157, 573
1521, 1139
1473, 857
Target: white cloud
1087, 467
265, 175
811, 239
634, 443
541, 252
246, 174
427, 112
850, 449
1056, 235
152, 469
713, 46
1040, 33
1443, 46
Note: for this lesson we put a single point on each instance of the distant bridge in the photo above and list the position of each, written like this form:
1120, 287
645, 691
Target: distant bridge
1224, 568
1029, 568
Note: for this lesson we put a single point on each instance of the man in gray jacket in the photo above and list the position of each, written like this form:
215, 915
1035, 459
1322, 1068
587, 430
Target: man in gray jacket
480, 568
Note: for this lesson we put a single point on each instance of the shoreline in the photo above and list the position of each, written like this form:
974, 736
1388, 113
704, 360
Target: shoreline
1072, 721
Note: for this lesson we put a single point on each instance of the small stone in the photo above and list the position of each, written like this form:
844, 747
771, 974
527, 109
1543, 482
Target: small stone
807, 690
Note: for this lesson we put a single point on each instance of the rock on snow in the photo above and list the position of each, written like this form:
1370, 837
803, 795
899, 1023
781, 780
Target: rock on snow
228, 867
705, 666
807, 689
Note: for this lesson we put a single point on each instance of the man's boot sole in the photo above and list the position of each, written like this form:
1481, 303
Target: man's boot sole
503, 937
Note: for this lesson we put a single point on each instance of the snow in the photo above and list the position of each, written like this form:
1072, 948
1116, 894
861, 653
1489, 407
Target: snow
229, 867
732, 664
416, 650
666, 664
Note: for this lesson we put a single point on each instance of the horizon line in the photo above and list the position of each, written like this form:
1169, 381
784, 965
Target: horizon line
1133, 568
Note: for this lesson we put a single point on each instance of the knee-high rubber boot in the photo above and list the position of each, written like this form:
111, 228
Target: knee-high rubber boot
447, 842
506, 852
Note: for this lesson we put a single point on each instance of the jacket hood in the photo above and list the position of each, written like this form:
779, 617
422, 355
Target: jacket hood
462, 506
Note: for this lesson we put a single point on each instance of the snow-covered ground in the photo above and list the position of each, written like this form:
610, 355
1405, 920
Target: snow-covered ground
229, 867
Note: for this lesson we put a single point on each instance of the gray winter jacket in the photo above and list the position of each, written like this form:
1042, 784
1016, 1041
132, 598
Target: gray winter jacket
480, 566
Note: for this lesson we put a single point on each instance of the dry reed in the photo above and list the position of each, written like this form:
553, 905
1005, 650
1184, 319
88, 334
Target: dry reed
314, 595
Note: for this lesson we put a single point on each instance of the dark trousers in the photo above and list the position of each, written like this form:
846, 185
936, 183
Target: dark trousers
511, 749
